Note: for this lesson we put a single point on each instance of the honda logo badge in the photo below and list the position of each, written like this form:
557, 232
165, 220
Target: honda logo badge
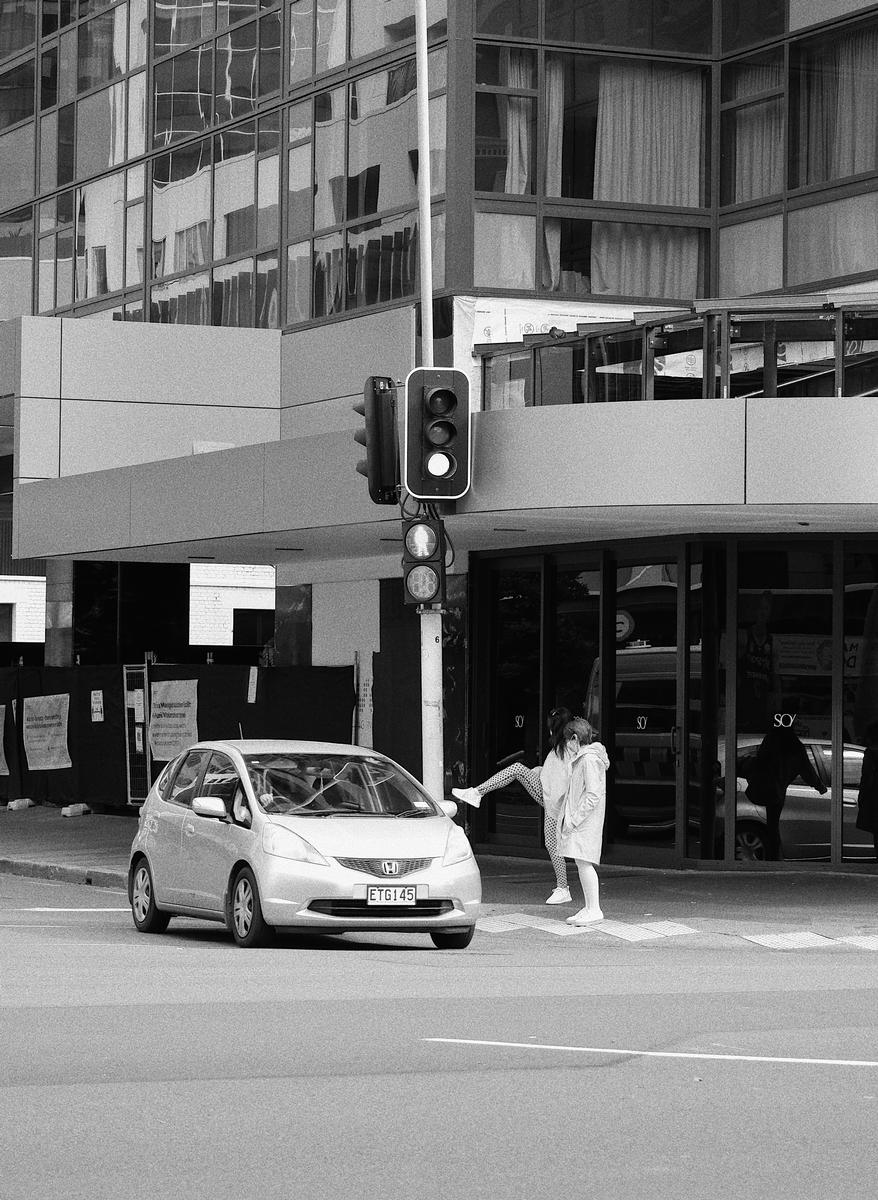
390, 867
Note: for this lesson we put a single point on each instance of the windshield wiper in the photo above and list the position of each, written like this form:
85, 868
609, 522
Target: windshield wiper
414, 812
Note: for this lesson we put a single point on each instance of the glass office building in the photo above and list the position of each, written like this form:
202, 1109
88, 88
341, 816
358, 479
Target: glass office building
674, 514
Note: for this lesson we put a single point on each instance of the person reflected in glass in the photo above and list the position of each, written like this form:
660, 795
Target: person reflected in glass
758, 679
581, 827
867, 796
547, 785
780, 758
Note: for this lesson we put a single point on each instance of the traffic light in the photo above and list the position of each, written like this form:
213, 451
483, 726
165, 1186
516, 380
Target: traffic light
437, 434
423, 560
379, 436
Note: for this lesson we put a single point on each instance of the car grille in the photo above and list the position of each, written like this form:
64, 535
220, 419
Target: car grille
390, 912
375, 866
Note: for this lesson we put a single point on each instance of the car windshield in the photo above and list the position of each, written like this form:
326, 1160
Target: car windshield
329, 785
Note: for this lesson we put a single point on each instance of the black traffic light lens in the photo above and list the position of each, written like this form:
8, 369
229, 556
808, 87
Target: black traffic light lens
423, 583
440, 401
439, 433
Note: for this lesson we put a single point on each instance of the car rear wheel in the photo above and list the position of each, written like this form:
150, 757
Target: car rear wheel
147, 918
749, 843
453, 939
247, 922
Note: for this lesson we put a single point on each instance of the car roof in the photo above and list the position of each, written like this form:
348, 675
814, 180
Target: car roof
285, 746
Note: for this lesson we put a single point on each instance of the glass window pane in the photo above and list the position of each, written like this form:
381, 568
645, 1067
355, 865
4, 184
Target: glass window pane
609, 125
329, 275
66, 147
46, 275
135, 181
831, 240
17, 157
183, 95
506, 66
376, 24
301, 40
48, 152
18, 25
228, 12
382, 261
16, 263
267, 211
751, 257
298, 282
234, 181
49, 78
813, 12
17, 94
745, 22
508, 379
329, 158
382, 151
181, 209
331, 49
183, 301
134, 245
233, 294
100, 236
745, 77
138, 28
64, 270
267, 283
513, 18
235, 73
505, 143
100, 131
624, 259
269, 53
136, 115
504, 250
646, 24
178, 23
860, 775
102, 48
67, 68
752, 164
834, 107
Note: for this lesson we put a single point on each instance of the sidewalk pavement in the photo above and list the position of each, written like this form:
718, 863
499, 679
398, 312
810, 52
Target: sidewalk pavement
93, 849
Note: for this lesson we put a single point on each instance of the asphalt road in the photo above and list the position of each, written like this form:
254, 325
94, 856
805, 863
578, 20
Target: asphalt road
378, 1068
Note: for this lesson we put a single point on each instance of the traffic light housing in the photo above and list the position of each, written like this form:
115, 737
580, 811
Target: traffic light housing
437, 452
423, 560
380, 437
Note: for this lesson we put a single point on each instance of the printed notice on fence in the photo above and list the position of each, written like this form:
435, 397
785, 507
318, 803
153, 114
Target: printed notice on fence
44, 732
173, 718
4, 766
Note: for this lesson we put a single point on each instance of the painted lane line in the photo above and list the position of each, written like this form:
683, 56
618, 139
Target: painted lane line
72, 910
621, 1052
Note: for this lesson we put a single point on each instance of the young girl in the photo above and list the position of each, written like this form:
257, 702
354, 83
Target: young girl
547, 785
580, 829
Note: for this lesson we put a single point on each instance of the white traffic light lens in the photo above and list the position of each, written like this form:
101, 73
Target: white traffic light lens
420, 541
422, 583
439, 464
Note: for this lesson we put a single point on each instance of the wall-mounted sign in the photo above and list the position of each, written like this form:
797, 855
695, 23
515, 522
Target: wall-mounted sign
97, 705
44, 732
173, 717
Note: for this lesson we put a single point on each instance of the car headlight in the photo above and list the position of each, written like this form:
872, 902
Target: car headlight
283, 843
457, 848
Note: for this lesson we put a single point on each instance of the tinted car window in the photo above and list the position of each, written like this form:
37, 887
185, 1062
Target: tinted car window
220, 779
163, 783
321, 785
183, 787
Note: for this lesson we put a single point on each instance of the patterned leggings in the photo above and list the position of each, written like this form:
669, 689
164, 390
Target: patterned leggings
529, 778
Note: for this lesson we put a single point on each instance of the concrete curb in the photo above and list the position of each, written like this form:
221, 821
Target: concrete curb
93, 876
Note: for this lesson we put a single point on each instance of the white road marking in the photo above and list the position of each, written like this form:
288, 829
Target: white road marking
620, 1051
789, 941
865, 941
668, 928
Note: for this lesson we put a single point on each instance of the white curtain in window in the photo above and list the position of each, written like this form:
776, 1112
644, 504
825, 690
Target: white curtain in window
649, 150
554, 92
519, 152
758, 134
838, 109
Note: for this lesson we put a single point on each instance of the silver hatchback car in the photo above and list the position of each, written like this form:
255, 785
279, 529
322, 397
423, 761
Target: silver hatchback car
266, 835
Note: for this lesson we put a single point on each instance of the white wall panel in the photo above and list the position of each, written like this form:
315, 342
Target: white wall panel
37, 438
87, 512
41, 356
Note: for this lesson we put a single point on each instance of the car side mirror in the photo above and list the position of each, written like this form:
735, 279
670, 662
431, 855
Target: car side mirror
209, 806
448, 807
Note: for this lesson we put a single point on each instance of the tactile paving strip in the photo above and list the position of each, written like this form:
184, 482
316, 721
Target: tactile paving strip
789, 941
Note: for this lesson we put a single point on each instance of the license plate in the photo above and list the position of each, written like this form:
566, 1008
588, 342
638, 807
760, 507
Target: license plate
383, 894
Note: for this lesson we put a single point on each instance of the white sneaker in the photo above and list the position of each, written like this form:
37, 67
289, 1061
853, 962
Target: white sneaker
468, 795
560, 896
586, 916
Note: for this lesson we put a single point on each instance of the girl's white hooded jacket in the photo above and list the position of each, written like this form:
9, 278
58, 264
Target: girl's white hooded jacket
580, 831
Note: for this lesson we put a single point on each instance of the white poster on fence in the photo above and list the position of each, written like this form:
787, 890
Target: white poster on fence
44, 731
173, 718
4, 766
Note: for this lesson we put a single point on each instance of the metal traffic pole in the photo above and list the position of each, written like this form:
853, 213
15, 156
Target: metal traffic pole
432, 750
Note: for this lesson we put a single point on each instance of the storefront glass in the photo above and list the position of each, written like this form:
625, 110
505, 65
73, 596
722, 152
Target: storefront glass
860, 705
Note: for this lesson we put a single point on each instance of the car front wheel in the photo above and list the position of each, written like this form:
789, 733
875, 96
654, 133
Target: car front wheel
453, 939
147, 918
749, 843
247, 922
